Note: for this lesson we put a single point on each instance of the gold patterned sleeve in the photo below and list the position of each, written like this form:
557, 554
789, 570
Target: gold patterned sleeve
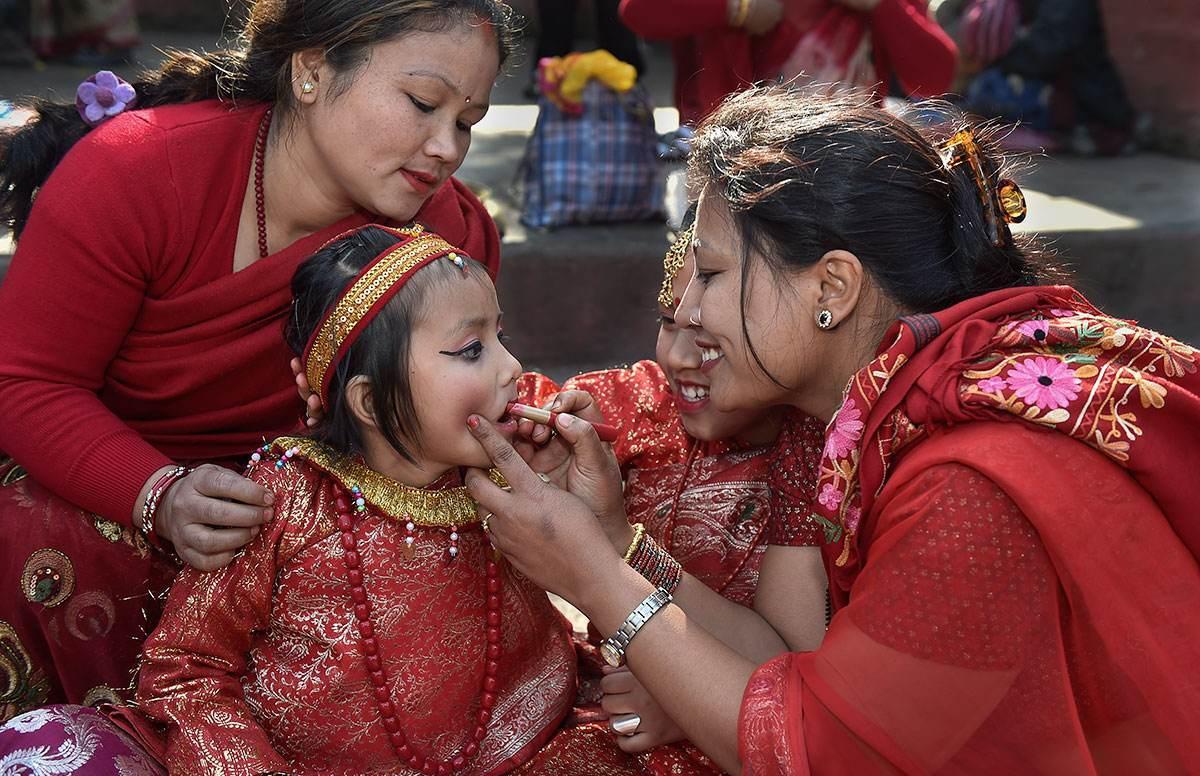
193, 662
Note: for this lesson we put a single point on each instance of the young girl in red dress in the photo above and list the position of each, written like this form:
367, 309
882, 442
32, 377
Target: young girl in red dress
370, 627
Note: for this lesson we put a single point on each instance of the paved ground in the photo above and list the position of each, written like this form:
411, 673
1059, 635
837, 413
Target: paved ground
584, 297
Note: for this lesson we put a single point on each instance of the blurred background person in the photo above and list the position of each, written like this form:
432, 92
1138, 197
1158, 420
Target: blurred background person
556, 35
1046, 65
720, 46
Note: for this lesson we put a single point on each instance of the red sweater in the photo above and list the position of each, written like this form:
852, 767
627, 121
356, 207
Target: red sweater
713, 60
126, 339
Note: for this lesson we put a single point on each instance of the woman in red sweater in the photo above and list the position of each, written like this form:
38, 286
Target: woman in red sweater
140, 322
721, 46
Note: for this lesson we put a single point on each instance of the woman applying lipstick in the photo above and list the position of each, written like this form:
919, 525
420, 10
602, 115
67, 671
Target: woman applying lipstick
697, 478
1007, 478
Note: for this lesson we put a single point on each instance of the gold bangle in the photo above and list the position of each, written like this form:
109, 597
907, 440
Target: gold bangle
743, 11
639, 533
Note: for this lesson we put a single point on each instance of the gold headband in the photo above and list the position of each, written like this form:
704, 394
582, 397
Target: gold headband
672, 263
375, 286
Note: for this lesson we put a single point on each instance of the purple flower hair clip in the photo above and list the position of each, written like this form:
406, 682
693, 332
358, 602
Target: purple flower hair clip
103, 96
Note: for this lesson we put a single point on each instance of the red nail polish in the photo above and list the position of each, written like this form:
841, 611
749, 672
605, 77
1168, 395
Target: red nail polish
473, 421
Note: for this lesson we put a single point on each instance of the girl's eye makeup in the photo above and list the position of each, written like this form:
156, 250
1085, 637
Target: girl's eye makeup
666, 320
471, 352
705, 277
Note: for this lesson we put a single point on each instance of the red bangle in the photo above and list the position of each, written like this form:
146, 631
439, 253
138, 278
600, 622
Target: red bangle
154, 497
656, 565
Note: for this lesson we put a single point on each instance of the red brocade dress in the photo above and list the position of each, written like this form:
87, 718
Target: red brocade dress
262, 666
709, 504
128, 342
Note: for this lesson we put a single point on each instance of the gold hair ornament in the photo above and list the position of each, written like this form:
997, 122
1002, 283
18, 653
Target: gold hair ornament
1003, 202
672, 263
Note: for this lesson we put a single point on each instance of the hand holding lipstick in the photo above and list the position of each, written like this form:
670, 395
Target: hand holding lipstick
606, 432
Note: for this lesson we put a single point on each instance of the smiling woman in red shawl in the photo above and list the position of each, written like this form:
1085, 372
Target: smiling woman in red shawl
1007, 485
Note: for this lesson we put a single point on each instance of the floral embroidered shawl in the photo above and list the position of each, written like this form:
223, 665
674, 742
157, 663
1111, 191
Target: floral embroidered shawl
1043, 356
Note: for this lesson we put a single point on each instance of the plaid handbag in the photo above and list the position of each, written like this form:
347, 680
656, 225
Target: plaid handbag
599, 166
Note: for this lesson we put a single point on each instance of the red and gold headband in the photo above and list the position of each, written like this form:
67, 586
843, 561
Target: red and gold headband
375, 286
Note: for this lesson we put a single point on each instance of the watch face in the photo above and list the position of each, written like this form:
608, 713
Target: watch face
611, 655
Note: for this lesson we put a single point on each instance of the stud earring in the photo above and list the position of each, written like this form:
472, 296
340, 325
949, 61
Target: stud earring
308, 87
825, 320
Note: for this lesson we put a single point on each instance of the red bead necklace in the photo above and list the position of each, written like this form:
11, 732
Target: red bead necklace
374, 662
260, 203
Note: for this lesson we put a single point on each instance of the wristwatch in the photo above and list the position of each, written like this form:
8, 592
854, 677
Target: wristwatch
613, 648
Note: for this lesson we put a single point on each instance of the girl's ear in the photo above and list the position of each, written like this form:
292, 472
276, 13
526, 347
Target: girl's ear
358, 398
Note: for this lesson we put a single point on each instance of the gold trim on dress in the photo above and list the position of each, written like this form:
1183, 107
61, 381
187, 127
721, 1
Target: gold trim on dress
429, 508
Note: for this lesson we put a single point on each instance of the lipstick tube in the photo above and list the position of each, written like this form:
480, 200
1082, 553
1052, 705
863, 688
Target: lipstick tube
606, 432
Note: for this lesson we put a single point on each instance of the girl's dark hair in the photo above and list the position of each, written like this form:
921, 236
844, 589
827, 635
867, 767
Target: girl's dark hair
805, 173
257, 69
382, 352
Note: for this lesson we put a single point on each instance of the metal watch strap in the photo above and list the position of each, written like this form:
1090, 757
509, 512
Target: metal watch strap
613, 648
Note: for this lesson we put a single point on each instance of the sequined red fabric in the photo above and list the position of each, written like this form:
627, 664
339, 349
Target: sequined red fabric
259, 667
710, 505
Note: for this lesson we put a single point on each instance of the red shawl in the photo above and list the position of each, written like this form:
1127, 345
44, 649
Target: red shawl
1013, 541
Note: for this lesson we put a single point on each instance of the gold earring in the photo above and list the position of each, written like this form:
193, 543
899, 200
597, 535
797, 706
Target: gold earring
308, 87
824, 320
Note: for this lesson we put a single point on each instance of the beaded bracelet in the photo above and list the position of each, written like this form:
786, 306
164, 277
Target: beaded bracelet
656, 565
639, 533
157, 490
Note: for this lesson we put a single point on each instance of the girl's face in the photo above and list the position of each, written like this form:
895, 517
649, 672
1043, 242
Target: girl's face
459, 366
403, 125
776, 319
681, 359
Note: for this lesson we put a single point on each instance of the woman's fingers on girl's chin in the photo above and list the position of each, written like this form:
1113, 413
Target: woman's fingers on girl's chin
490, 496
502, 455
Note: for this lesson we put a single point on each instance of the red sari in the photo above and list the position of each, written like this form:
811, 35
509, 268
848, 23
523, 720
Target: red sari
709, 505
1008, 496
127, 342
260, 667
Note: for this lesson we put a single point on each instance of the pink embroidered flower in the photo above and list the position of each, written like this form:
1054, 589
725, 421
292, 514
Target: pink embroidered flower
847, 430
103, 96
993, 384
830, 496
1044, 382
853, 517
1035, 330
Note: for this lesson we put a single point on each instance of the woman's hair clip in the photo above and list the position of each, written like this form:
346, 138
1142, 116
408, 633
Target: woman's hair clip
1004, 201
103, 96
